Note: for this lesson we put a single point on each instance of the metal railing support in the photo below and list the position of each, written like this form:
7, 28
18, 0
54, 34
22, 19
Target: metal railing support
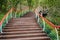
1, 29
38, 18
57, 33
7, 19
43, 25
15, 14
11, 14
36, 15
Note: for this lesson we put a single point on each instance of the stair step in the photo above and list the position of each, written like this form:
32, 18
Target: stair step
24, 24
31, 38
36, 38
23, 18
17, 23
22, 21
22, 29
19, 30
23, 35
21, 26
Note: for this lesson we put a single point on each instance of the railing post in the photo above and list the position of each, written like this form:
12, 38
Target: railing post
15, 14
57, 33
36, 15
38, 18
11, 13
7, 19
43, 25
1, 28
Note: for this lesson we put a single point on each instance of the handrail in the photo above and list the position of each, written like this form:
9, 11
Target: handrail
50, 23
6, 15
57, 26
5, 19
44, 22
10, 15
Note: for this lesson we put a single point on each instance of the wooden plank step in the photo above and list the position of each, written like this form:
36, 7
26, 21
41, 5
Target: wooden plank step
23, 21
24, 28
21, 26
31, 38
23, 35
22, 31
24, 24
24, 18
36, 38
18, 32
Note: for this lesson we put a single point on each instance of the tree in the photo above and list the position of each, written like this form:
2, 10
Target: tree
3, 5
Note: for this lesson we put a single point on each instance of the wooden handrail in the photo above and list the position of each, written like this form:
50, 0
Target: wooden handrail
6, 15
57, 26
9, 13
50, 23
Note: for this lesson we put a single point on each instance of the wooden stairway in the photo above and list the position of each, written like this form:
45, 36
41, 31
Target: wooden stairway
24, 28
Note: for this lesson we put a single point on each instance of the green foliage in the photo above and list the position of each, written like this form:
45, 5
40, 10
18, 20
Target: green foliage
3, 5
1, 16
54, 10
52, 5
29, 3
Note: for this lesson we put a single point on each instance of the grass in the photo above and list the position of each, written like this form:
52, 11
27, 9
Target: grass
56, 21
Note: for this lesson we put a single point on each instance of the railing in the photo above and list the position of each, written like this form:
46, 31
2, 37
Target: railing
5, 19
12, 14
20, 13
47, 26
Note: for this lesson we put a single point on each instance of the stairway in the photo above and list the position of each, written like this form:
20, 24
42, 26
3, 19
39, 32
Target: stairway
24, 28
